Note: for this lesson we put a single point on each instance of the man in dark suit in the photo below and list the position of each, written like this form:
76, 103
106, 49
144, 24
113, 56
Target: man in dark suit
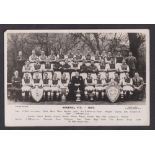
76, 83
138, 85
131, 62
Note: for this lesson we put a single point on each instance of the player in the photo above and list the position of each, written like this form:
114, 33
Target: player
37, 68
66, 68
127, 86
74, 66
64, 82
42, 57
102, 68
55, 87
46, 86
27, 68
89, 87
37, 80
131, 61
52, 57
111, 68
83, 69
108, 58
92, 68
124, 68
33, 57
26, 86
99, 89
48, 68
119, 59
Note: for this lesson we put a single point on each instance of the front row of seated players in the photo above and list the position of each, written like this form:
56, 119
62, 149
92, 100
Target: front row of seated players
90, 88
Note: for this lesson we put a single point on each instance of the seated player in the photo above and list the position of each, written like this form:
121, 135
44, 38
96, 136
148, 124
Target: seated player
74, 66
46, 86
66, 68
88, 58
138, 84
57, 67
102, 68
89, 87
118, 82
99, 89
83, 69
37, 80
77, 84
33, 57
16, 84
127, 86
55, 87
119, 59
92, 68
52, 57
124, 68
111, 68
27, 68
107, 81
26, 86
37, 68
70, 55
48, 68
64, 86
42, 57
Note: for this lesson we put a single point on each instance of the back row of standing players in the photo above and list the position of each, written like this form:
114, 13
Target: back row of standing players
95, 71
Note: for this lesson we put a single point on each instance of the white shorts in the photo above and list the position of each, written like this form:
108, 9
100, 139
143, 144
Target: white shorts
84, 75
99, 88
55, 89
89, 88
47, 88
26, 88
127, 88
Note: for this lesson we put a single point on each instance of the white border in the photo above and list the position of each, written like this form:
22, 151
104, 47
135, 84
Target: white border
146, 31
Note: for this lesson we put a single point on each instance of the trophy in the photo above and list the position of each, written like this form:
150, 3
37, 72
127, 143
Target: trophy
78, 95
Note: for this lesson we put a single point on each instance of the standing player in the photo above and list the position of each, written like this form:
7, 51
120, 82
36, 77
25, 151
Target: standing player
102, 68
37, 68
83, 69
119, 59
52, 57
74, 66
131, 61
27, 68
92, 68
33, 57
42, 57
123, 69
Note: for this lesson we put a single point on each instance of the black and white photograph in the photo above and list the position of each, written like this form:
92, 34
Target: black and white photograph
77, 70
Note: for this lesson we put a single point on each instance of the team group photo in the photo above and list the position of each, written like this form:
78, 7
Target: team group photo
76, 68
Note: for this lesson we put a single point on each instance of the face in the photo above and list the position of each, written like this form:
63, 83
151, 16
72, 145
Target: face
76, 74
27, 63
42, 53
64, 75
26, 75
130, 53
20, 53
37, 60
99, 76
46, 75
136, 75
92, 62
37, 76
116, 75
89, 75
109, 53
119, 53
127, 74
83, 62
123, 61
55, 75
33, 52
16, 73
